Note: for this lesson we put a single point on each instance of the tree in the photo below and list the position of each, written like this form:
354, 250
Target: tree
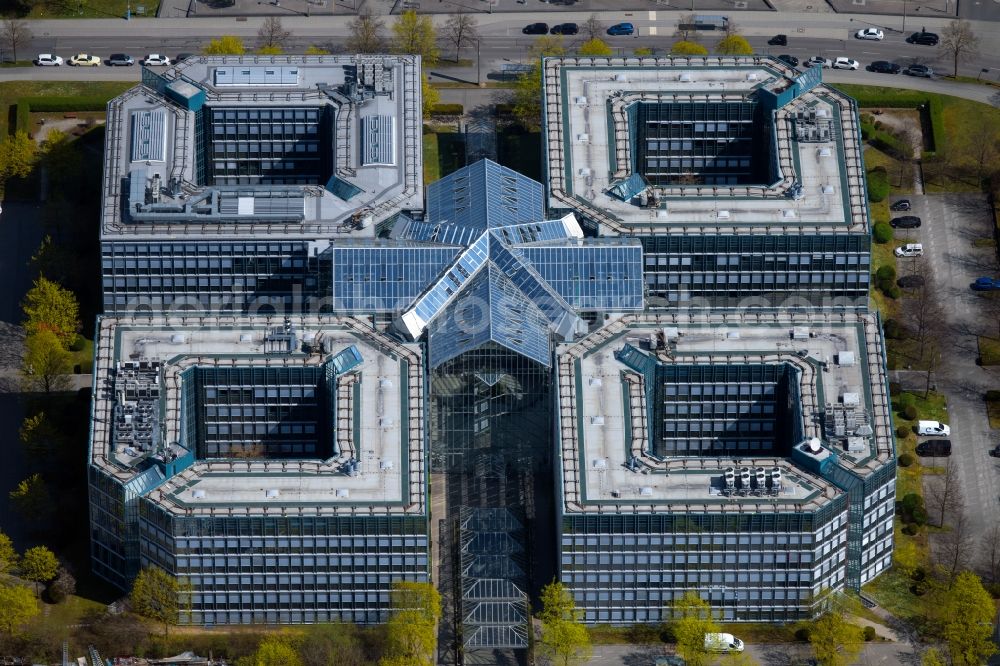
39, 436
32, 500
989, 554
8, 556
685, 27
48, 306
18, 154
431, 96
954, 549
275, 651
16, 33
594, 47
62, 586
415, 34
564, 637
326, 644
272, 34
944, 496
46, 363
963, 615
834, 641
155, 594
411, 632
461, 30
932, 657
958, 42
528, 88
685, 47
38, 565
225, 45
17, 606
690, 618
734, 45
592, 28
984, 144
366, 32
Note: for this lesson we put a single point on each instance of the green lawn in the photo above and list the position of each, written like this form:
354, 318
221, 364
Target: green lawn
900, 173
11, 91
444, 151
993, 411
989, 351
92, 9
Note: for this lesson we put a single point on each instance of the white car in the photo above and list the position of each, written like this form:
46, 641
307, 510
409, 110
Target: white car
873, 34
48, 60
818, 61
933, 428
910, 250
845, 63
156, 60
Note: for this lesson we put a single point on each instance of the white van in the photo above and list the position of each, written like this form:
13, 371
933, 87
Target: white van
722, 643
933, 428
910, 250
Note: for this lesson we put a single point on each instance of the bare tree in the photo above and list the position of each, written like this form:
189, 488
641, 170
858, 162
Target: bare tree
944, 495
683, 32
989, 555
958, 42
985, 144
461, 30
923, 311
16, 33
592, 27
366, 32
731, 28
955, 545
272, 34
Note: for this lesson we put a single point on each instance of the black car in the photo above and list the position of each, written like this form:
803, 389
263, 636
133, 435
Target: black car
919, 70
120, 60
789, 60
536, 29
184, 56
905, 222
910, 282
901, 205
923, 37
778, 40
884, 67
565, 29
934, 448
995, 451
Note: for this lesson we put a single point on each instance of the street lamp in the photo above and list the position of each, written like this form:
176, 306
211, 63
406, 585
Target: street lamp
479, 75
904, 16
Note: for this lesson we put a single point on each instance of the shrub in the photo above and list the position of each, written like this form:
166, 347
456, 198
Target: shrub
882, 233
902, 431
907, 399
802, 634
992, 395
894, 331
893, 292
447, 110
910, 529
994, 590
878, 184
887, 272
910, 412
919, 574
906, 460
870, 634
78, 342
895, 388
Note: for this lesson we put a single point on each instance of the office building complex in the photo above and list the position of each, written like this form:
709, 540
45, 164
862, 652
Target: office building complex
675, 329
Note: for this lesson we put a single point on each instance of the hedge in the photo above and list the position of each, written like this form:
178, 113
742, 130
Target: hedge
933, 107
27, 105
447, 110
885, 141
882, 233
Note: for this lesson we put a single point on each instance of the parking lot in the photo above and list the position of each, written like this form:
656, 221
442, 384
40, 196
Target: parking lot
952, 223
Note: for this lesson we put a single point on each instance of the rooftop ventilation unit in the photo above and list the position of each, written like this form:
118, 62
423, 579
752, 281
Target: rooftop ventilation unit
846, 358
685, 77
582, 138
600, 463
597, 420
621, 78
853, 399
178, 338
343, 493
271, 493
646, 491
584, 171
245, 338
595, 381
580, 101
776, 480
385, 382
826, 189
800, 333
822, 113
723, 214
787, 213
385, 465
825, 152
752, 76
856, 445
198, 494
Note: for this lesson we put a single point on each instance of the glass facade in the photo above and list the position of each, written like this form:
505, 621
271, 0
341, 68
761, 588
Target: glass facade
753, 567
758, 271
286, 569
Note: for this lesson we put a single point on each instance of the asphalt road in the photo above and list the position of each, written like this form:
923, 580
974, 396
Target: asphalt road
873, 654
829, 35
